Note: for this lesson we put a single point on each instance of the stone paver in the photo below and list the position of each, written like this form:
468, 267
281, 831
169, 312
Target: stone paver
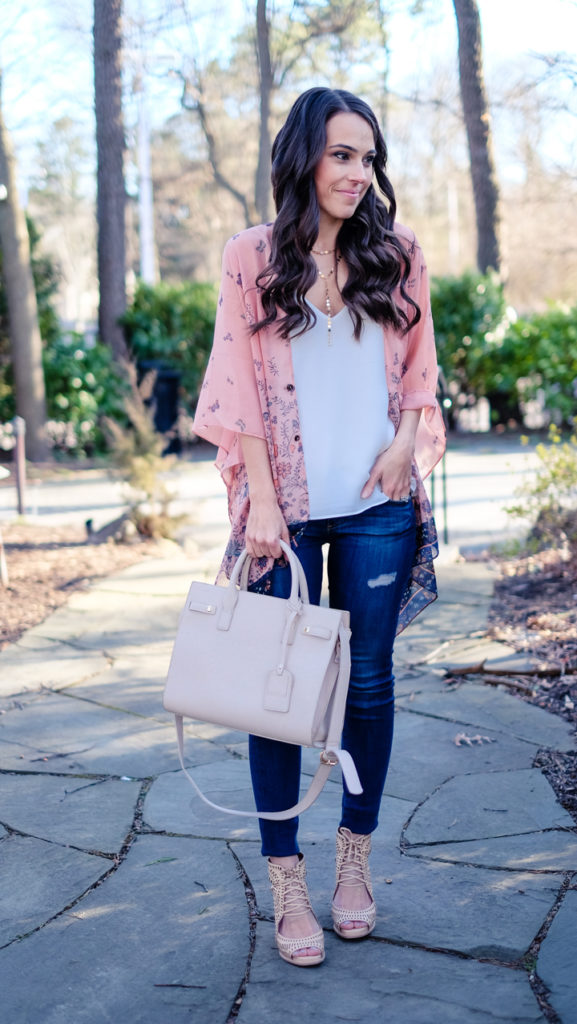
152, 944
552, 850
136, 900
382, 983
38, 879
59, 733
91, 814
494, 804
556, 962
26, 666
112, 620
425, 754
127, 685
483, 707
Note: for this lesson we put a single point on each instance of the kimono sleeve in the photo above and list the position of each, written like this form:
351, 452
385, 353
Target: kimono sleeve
229, 402
420, 370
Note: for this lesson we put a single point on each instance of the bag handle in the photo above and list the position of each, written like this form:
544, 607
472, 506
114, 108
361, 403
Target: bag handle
331, 755
295, 567
296, 570
231, 592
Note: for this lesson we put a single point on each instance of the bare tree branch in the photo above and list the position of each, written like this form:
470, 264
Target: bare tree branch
192, 100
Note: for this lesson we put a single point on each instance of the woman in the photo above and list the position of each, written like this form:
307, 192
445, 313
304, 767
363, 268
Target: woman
320, 395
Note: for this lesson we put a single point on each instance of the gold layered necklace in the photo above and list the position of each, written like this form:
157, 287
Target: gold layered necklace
325, 278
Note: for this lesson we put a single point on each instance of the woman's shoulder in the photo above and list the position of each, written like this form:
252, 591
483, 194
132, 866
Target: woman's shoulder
254, 241
407, 236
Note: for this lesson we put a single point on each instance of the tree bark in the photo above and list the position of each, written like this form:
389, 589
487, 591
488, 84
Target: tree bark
25, 340
477, 123
262, 190
110, 145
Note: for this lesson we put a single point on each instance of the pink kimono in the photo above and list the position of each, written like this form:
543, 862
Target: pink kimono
249, 389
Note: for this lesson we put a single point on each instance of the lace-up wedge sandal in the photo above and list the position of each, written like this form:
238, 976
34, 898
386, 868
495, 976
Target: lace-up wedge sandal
291, 899
353, 870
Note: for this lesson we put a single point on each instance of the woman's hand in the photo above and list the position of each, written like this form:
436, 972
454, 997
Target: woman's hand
265, 529
391, 470
265, 526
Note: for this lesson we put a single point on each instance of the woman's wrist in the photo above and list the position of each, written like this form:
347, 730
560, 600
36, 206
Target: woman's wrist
262, 497
405, 438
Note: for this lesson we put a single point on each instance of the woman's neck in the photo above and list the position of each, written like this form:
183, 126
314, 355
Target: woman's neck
327, 236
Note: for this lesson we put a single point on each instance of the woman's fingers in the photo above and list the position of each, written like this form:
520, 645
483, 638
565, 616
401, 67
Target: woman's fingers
264, 531
391, 474
272, 549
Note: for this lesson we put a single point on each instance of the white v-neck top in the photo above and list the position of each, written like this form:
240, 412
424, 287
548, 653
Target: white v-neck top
343, 402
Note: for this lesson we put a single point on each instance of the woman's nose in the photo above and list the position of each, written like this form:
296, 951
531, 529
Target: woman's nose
358, 172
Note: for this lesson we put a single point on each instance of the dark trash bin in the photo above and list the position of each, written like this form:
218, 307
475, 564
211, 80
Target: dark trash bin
164, 399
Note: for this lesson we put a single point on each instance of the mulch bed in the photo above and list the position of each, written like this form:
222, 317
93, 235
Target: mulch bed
46, 564
534, 610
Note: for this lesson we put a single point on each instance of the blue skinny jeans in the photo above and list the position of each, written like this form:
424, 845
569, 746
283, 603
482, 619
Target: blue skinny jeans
369, 561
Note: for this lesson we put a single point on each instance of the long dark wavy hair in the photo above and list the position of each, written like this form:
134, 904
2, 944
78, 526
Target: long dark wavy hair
378, 263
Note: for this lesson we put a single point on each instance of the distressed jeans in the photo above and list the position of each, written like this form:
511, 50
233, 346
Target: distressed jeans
369, 560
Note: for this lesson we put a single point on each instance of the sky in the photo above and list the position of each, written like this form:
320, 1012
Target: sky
509, 28
45, 51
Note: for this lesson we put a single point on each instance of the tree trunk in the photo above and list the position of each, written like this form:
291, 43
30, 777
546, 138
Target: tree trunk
110, 206
262, 191
25, 340
476, 114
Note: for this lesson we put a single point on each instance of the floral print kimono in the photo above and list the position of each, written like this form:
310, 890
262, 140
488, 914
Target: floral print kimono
249, 388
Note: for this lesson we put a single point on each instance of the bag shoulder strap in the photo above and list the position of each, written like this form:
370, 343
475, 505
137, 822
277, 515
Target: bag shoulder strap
331, 755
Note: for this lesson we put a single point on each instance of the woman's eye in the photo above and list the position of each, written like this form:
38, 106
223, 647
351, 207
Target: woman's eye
342, 156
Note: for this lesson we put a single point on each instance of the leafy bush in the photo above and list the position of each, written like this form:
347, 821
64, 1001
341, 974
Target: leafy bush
485, 350
469, 314
538, 357
549, 499
174, 325
82, 382
82, 386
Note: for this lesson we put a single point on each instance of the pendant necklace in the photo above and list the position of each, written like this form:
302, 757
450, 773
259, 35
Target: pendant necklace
325, 278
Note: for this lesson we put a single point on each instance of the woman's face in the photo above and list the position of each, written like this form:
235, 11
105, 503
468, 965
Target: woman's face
345, 170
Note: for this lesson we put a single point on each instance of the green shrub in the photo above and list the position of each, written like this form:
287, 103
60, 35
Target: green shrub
548, 500
174, 325
469, 314
539, 356
484, 350
83, 385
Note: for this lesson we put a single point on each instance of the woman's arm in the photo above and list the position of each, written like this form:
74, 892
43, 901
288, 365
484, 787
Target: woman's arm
265, 526
391, 470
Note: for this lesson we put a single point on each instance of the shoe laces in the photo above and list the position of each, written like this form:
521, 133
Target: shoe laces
351, 870
353, 861
295, 897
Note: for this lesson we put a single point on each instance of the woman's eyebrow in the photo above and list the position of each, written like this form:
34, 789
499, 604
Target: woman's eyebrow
352, 149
